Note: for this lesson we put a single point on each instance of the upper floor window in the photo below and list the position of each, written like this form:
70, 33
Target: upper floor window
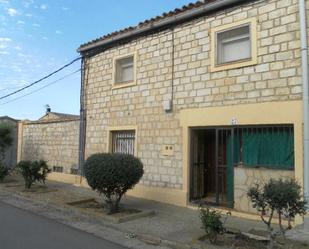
234, 45
124, 71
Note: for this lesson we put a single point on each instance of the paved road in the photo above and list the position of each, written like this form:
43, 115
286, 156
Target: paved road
20, 229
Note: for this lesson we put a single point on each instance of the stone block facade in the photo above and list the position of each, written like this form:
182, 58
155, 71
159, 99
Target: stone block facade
175, 64
51, 140
245, 177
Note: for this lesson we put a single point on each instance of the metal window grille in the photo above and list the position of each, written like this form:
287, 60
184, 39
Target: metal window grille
265, 146
58, 169
74, 171
123, 142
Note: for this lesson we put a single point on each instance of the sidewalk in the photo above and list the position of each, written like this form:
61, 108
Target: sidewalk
177, 223
170, 222
172, 226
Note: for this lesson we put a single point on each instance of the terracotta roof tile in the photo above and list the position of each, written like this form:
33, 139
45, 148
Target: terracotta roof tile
174, 12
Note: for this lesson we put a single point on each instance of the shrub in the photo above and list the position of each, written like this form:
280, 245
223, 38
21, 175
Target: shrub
282, 197
3, 172
113, 175
33, 171
212, 223
5, 139
5, 142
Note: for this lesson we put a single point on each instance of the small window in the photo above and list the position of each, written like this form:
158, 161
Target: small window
234, 45
57, 169
74, 171
124, 72
123, 142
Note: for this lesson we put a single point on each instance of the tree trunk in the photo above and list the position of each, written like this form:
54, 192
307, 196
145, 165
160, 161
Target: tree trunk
270, 243
113, 205
28, 184
271, 237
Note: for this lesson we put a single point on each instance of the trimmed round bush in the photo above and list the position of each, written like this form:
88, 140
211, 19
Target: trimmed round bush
112, 175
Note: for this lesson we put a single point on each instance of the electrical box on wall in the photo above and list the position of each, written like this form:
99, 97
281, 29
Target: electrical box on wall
167, 150
167, 105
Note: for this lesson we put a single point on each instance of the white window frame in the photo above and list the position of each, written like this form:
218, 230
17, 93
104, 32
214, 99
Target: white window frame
221, 43
125, 83
252, 60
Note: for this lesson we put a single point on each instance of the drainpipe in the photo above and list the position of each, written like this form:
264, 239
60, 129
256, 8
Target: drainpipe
304, 58
82, 124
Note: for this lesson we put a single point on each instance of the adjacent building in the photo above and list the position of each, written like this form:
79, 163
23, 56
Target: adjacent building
209, 96
53, 138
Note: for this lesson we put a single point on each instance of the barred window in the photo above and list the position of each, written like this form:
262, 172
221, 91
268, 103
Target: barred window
123, 142
57, 169
268, 146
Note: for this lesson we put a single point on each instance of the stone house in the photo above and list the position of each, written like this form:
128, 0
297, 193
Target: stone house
57, 116
209, 96
53, 138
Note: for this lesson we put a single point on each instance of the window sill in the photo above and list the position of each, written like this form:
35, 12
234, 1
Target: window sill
261, 167
233, 65
123, 85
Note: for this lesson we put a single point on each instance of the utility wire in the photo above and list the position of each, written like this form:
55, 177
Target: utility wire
51, 83
37, 81
10, 88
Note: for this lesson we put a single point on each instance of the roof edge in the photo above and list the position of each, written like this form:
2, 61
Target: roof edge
169, 21
9, 118
29, 122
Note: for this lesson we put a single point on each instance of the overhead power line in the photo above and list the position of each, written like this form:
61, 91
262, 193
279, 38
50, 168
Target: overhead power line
37, 81
10, 88
39, 89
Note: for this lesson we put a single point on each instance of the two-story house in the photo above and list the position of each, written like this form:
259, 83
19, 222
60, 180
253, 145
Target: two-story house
209, 97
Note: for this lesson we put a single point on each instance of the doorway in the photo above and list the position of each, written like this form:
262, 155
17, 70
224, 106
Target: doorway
211, 172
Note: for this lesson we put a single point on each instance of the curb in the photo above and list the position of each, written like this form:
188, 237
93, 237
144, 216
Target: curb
149, 239
41, 208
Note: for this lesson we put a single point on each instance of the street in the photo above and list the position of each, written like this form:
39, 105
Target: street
24, 230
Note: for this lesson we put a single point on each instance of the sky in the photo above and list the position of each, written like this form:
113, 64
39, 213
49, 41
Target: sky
39, 36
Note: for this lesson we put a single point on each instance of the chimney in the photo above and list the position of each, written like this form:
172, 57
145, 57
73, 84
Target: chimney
48, 109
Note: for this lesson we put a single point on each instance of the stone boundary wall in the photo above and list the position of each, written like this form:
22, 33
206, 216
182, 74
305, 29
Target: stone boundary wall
55, 141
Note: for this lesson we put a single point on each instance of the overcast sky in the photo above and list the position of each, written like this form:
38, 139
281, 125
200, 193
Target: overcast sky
37, 37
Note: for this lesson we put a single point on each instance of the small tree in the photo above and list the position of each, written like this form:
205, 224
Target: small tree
212, 223
5, 142
281, 197
113, 175
33, 171
5, 139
